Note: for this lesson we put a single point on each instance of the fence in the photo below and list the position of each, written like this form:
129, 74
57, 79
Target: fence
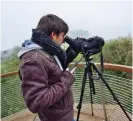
12, 100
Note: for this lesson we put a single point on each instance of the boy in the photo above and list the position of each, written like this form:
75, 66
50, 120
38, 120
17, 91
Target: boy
45, 81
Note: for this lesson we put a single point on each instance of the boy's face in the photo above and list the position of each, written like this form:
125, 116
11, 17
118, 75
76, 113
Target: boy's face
58, 38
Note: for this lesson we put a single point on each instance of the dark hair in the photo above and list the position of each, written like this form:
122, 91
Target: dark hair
52, 23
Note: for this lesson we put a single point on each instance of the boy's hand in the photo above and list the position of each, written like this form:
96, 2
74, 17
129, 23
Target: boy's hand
72, 71
67, 69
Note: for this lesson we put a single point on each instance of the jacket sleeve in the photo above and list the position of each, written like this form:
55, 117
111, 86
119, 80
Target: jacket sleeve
71, 55
36, 92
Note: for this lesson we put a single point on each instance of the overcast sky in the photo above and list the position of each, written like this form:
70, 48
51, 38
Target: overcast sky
106, 19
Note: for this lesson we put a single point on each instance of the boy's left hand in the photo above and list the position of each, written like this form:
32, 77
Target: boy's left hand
71, 71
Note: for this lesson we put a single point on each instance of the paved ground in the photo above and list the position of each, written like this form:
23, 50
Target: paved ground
83, 117
30, 117
114, 113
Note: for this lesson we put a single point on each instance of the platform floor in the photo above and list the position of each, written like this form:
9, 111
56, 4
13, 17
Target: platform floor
83, 117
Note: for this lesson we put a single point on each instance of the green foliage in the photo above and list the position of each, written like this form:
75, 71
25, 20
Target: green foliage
11, 63
78, 58
118, 51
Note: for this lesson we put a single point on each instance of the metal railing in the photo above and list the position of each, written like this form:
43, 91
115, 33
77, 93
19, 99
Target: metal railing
12, 100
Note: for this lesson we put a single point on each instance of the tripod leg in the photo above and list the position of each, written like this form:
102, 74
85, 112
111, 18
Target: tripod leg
91, 86
91, 99
111, 91
82, 92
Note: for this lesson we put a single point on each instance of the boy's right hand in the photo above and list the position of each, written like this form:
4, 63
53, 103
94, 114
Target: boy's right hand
69, 76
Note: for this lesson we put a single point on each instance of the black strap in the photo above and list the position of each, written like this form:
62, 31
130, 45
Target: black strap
19, 75
102, 60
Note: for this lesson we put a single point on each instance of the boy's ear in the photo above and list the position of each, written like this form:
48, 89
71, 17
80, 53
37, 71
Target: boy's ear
53, 35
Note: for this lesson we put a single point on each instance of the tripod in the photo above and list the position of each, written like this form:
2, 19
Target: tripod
88, 71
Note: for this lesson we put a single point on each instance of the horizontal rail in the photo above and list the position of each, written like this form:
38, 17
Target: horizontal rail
109, 66
9, 74
115, 67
